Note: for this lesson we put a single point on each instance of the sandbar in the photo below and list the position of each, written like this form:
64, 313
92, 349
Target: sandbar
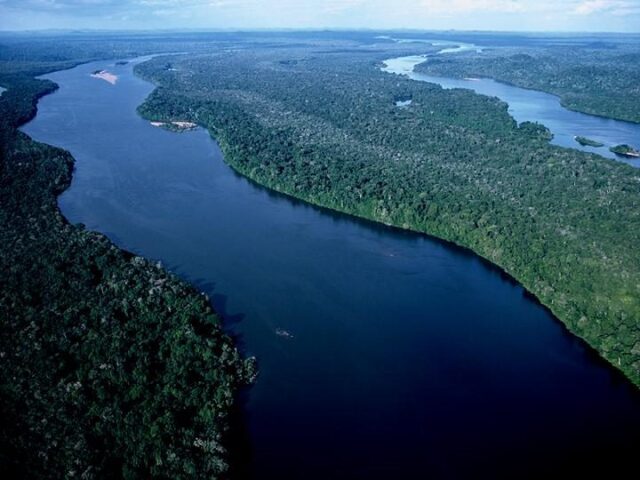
106, 76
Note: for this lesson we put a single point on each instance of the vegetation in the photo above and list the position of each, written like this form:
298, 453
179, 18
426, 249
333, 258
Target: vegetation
322, 125
599, 80
584, 141
625, 150
110, 367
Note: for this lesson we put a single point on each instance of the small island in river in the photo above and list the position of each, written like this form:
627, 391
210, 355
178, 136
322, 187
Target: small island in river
625, 150
106, 76
587, 142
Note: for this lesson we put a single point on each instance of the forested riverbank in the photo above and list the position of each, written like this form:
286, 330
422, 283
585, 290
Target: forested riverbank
323, 126
109, 365
597, 79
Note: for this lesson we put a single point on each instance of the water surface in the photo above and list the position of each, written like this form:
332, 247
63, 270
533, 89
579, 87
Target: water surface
383, 354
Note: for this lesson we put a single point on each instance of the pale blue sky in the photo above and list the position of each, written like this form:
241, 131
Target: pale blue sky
530, 15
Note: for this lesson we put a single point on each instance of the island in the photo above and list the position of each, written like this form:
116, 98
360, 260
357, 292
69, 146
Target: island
625, 150
99, 311
587, 142
106, 76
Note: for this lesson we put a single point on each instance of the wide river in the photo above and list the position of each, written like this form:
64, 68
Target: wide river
530, 105
383, 354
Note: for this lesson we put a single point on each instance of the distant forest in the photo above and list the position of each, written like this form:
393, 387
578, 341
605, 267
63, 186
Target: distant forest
596, 79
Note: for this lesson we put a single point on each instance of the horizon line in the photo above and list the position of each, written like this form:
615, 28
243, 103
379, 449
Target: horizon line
308, 30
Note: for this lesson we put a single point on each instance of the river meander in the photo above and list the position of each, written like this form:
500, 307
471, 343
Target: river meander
530, 105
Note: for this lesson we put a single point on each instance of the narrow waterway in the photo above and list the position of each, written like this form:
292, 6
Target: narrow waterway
383, 354
530, 105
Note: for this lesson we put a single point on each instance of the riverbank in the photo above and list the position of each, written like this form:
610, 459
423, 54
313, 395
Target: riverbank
588, 80
80, 318
567, 319
529, 104
175, 126
533, 237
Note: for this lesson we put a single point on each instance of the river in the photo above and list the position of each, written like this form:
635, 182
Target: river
529, 105
383, 354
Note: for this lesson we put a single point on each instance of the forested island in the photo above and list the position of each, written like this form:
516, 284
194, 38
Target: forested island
588, 142
625, 150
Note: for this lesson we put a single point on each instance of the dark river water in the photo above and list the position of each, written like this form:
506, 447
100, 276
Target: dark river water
383, 354
531, 105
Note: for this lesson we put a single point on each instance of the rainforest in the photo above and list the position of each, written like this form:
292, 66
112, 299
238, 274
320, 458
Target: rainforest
310, 240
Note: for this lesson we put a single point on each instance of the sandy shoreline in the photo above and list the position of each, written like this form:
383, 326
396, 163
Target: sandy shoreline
106, 76
179, 126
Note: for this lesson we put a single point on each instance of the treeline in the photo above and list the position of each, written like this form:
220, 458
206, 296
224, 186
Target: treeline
324, 127
598, 81
110, 367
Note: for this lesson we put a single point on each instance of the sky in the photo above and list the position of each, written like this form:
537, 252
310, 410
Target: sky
507, 15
